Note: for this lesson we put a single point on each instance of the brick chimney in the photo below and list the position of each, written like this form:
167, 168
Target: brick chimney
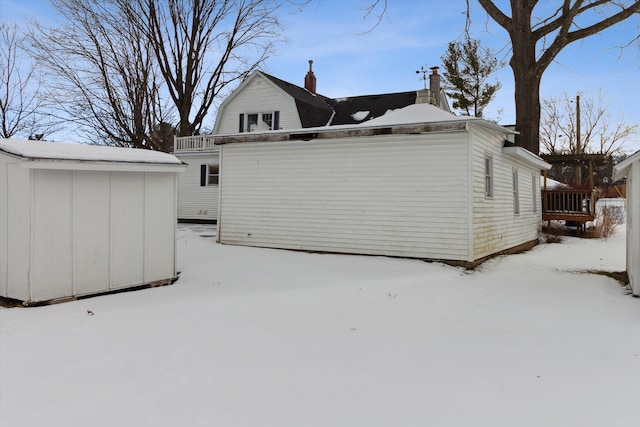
434, 86
310, 79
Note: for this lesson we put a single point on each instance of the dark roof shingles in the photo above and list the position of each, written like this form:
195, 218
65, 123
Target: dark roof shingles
317, 110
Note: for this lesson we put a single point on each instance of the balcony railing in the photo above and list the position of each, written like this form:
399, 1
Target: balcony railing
183, 144
576, 205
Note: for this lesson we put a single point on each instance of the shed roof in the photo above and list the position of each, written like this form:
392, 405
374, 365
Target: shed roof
42, 150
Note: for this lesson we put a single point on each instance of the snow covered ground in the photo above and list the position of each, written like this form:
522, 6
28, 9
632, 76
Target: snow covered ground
259, 337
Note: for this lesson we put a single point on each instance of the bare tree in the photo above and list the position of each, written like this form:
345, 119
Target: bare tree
205, 46
103, 73
19, 103
599, 133
537, 41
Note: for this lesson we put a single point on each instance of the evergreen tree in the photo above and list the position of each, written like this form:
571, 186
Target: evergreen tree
467, 67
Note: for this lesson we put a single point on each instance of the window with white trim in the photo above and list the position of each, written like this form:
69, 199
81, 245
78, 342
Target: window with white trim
252, 122
209, 175
516, 194
488, 176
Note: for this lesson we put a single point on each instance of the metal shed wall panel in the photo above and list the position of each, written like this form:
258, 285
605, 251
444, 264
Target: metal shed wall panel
127, 229
496, 226
52, 235
91, 243
196, 202
18, 230
160, 210
3, 226
397, 195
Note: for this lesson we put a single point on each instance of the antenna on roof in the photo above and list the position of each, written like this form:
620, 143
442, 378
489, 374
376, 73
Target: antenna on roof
424, 72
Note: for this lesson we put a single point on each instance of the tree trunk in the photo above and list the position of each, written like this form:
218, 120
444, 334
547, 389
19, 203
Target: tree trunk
527, 76
185, 127
527, 101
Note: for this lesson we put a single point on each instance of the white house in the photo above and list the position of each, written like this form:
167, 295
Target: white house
264, 103
416, 182
79, 220
630, 168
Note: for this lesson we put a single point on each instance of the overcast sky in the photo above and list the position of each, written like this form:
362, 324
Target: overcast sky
351, 57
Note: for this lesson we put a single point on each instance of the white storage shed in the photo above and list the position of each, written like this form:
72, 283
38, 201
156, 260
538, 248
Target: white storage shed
417, 182
630, 168
79, 219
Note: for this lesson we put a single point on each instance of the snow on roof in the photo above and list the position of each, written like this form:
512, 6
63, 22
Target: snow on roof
416, 113
66, 151
360, 115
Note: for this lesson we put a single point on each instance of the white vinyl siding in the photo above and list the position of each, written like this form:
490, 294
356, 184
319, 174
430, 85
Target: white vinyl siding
259, 95
197, 202
495, 227
400, 195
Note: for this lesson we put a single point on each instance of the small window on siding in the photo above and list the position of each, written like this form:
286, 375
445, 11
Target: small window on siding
209, 175
260, 121
534, 192
488, 176
267, 119
252, 122
516, 195
212, 175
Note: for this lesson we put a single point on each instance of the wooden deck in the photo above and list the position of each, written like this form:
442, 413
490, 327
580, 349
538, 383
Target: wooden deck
568, 205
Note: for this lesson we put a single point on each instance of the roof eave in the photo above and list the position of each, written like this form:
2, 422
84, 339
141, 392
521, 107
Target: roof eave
621, 169
526, 156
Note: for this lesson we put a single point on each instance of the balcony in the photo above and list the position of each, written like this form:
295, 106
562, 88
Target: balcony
190, 144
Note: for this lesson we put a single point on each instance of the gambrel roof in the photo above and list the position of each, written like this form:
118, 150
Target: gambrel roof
314, 110
317, 110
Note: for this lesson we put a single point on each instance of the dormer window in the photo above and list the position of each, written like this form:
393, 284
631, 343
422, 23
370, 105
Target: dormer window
255, 122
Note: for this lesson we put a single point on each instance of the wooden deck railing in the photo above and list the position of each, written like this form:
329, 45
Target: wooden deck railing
192, 143
575, 205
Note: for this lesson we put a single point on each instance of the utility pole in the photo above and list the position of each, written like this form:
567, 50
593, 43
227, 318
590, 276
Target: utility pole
578, 149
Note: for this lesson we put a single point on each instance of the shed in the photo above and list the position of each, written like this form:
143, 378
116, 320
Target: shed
80, 219
630, 168
417, 182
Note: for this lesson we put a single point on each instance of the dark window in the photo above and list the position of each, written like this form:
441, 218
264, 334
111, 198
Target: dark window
252, 121
267, 118
212, 177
